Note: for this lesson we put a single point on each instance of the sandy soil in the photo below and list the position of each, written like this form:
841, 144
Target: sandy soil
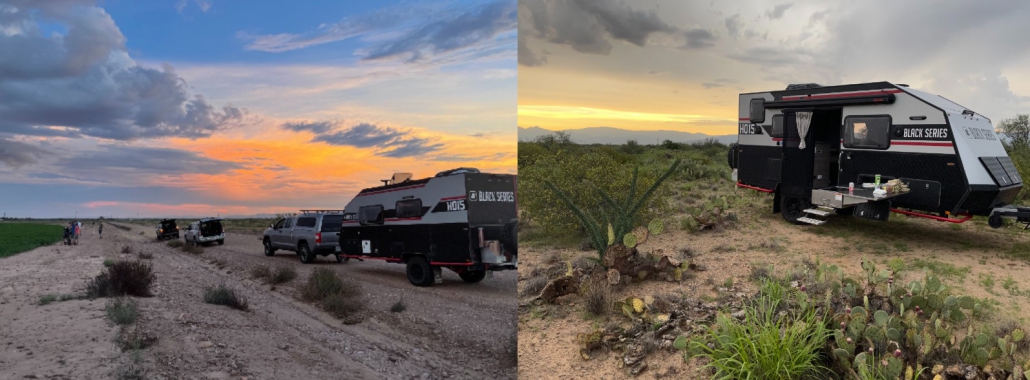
547, 343
451, 330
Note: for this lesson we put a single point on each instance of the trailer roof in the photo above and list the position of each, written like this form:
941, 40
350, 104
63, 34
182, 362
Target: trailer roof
825, 89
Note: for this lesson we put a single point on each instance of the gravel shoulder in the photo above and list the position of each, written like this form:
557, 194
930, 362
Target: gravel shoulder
450, 330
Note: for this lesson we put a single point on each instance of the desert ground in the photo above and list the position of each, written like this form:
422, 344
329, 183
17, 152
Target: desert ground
971, 257
451, 330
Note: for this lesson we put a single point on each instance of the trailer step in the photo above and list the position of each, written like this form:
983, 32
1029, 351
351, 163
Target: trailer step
814, 222
818, 211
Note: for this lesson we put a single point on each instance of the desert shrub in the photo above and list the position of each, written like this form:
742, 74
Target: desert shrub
194, 249
261, 271
134, 338
122, 310
575, 175
131, 278
226, 296
321, 284
108, 262
534, 285
337, 296
126, 249
399, 306
766, 344
46, 299
281, 275
131, 372
597, 297
175, 243
145, 256
633, 147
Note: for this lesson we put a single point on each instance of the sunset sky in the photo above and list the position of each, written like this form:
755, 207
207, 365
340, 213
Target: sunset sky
679, 65
205, 107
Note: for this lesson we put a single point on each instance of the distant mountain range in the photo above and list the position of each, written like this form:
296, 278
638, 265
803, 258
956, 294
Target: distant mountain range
609, 135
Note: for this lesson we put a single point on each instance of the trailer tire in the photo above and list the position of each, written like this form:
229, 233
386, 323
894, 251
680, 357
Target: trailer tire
731, 156
510, 236
306, 256
472, 276
420, 273
269, 250
995, 221
792, 209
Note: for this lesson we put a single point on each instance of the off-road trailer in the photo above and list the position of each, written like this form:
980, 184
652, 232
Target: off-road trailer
460, 219
807, 143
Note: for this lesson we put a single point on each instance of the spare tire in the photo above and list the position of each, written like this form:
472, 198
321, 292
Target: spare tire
510, 236
731, 156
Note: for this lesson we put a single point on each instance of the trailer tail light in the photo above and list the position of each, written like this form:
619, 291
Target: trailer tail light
318, 238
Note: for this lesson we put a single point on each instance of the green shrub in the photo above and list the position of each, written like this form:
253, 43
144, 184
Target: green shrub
321, 284
339, 297
224, 295
46, 299
132, 278
282, 274
175, 243
766, 344
122, 310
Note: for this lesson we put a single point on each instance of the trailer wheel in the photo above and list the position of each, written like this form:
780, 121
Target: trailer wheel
472, 276
269, 251
420, 273
731, 157
510, 236
306, 256
995, 221
793, 209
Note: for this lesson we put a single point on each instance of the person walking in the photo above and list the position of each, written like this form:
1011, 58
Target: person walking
75, 232
100, 230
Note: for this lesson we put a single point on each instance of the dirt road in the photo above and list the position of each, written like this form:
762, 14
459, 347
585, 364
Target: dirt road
451, 330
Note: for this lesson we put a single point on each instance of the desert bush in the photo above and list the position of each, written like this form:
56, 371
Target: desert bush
339, 297
766, 344
126, 249
194, 249
340, 305
131, 372
399, 306
633, 147
261, 271
145, 256
226, 296
46, 299
122, 310
321, 284
282, 274
597, 297
108, 262
134, 337
1020, 156
175, 243
132, 278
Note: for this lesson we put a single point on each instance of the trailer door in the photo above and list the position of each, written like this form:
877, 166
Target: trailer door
797, 163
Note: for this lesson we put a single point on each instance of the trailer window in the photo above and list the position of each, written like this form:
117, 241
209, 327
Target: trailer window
370, 214
757, 111
777, 126
867, 132
409, 208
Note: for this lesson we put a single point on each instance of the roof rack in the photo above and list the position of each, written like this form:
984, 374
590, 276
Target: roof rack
321, 211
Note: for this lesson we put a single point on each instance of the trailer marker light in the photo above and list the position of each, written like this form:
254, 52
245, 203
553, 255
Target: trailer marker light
951, 164
917, 117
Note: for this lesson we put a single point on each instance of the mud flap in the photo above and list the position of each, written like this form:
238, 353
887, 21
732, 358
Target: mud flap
438, 275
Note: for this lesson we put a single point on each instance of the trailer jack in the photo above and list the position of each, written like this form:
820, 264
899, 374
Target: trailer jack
1021, 214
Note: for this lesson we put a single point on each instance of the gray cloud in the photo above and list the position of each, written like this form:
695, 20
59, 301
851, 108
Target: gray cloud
777, 12
586, 26
17, 154
527, 57
412, 32
84, 83
144, 160
710, 85
699, 38
386, 141
734, 25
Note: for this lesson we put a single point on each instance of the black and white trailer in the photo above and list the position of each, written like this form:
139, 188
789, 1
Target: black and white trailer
808, 143
460, 219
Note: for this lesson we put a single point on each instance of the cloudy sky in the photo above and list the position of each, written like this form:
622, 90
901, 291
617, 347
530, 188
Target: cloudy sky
679, 65
200, 107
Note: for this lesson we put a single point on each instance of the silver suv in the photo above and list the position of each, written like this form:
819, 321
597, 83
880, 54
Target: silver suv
204, 231
311, 234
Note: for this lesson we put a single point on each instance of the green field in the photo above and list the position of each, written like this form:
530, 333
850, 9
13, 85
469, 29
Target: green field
20, 237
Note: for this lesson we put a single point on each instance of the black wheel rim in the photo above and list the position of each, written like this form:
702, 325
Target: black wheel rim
417, 273
794, 208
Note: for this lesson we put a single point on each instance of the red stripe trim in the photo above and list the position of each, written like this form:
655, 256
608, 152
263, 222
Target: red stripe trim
754, 188
392, 190
921, 143
777, 139
388, 259
451, 264
744, 119
934, 217
842, 95
452, 198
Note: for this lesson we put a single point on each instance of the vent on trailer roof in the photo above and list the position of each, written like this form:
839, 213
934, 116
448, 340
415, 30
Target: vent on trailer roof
802, 86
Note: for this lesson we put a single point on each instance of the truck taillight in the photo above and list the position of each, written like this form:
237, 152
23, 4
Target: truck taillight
318, 238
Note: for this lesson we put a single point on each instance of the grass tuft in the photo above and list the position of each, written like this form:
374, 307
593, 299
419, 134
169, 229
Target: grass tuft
597, 296
46, 299
122, 310
224, 295
399, 306
282, 274
339, 297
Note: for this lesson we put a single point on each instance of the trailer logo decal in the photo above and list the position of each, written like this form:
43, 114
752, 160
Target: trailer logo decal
491, 196
924, 133
979, 133
457, 205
